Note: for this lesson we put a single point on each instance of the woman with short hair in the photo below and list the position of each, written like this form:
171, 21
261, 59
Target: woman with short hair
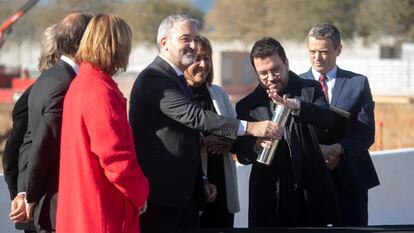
101, 186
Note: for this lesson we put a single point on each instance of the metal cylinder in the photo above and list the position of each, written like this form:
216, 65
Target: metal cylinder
280, 116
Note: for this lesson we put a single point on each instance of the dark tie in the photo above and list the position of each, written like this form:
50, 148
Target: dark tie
185, 86
323, 79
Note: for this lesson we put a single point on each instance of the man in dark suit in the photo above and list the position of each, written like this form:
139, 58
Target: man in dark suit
296, 189
345, 145
14, 176
166, 125
45, 105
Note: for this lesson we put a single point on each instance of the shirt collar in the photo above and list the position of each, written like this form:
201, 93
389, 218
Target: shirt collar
70, 62
177, 70
330, 75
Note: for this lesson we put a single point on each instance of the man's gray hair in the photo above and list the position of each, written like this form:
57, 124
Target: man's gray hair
326, 31
168, 23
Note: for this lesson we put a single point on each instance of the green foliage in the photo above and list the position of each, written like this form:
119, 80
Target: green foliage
386, 18
244, 20
143, 16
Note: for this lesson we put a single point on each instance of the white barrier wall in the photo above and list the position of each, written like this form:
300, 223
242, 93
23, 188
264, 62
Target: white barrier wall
390, 203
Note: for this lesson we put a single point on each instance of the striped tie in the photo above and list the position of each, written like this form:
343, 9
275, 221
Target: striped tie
322, 81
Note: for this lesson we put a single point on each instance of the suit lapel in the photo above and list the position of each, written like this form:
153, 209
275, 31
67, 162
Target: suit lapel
170, 73
309, 75
339, 84
264, 111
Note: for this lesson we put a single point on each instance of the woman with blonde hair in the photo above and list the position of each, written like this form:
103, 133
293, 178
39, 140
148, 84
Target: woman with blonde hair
101, 186
217, 162
48, 49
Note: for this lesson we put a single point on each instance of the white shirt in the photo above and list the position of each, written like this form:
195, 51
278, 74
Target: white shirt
70, 62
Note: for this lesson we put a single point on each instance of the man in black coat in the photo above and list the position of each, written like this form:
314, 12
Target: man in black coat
296, 189
44, 124
166, 125
14, 166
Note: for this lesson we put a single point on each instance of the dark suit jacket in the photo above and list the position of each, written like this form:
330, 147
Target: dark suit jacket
12, 147
353, 94
297, 160
14, 166
45, 121
166, 127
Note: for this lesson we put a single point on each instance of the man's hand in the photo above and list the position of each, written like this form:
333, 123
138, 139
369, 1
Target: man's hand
265, 143
29, 210
210, 191
291, 103
263, 129
332, 155
217, 146
18, 209
143, 208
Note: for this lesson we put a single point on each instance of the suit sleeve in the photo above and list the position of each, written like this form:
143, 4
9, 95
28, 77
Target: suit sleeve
174, 104
111, 141
361, 134
45, 149
315, 110
23, 161
243, 147
12, 147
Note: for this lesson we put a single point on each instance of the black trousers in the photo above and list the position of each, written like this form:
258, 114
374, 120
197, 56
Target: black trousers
163, 219
353, 207
216, 215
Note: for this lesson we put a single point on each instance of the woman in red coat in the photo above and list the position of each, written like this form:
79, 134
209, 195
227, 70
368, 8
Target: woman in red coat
101, 186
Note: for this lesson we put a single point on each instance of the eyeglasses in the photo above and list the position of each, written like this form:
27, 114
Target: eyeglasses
276, 72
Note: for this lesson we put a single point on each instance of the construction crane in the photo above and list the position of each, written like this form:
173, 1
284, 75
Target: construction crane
5, 27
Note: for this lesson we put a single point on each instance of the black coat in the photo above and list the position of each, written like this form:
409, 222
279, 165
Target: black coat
166, 126
14, 166
297, 161
42, 141
12, 147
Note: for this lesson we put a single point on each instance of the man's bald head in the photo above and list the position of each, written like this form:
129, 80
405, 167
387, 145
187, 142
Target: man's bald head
70, 30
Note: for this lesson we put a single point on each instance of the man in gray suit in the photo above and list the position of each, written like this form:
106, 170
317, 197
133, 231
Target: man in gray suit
45, 104
345, 145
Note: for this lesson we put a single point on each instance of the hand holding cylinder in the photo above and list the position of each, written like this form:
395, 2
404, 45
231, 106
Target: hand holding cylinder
280, 117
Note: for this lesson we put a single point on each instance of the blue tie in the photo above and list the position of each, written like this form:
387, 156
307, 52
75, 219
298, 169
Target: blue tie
185, 85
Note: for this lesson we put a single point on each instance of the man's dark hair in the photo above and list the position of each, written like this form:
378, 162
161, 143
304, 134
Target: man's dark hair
326, 31
69, 32
266, 47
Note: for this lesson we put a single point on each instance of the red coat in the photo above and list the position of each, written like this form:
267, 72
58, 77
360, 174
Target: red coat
101, 185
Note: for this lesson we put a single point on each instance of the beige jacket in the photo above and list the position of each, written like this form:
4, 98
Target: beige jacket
223, 107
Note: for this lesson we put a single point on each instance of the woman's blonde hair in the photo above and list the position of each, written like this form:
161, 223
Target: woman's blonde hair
106, 43
48, 49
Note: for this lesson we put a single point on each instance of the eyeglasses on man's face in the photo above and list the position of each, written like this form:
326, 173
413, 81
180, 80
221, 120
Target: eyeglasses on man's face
274, 72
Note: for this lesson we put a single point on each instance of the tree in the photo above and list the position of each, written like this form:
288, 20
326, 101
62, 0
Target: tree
386, 18
290, 20
145, 16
